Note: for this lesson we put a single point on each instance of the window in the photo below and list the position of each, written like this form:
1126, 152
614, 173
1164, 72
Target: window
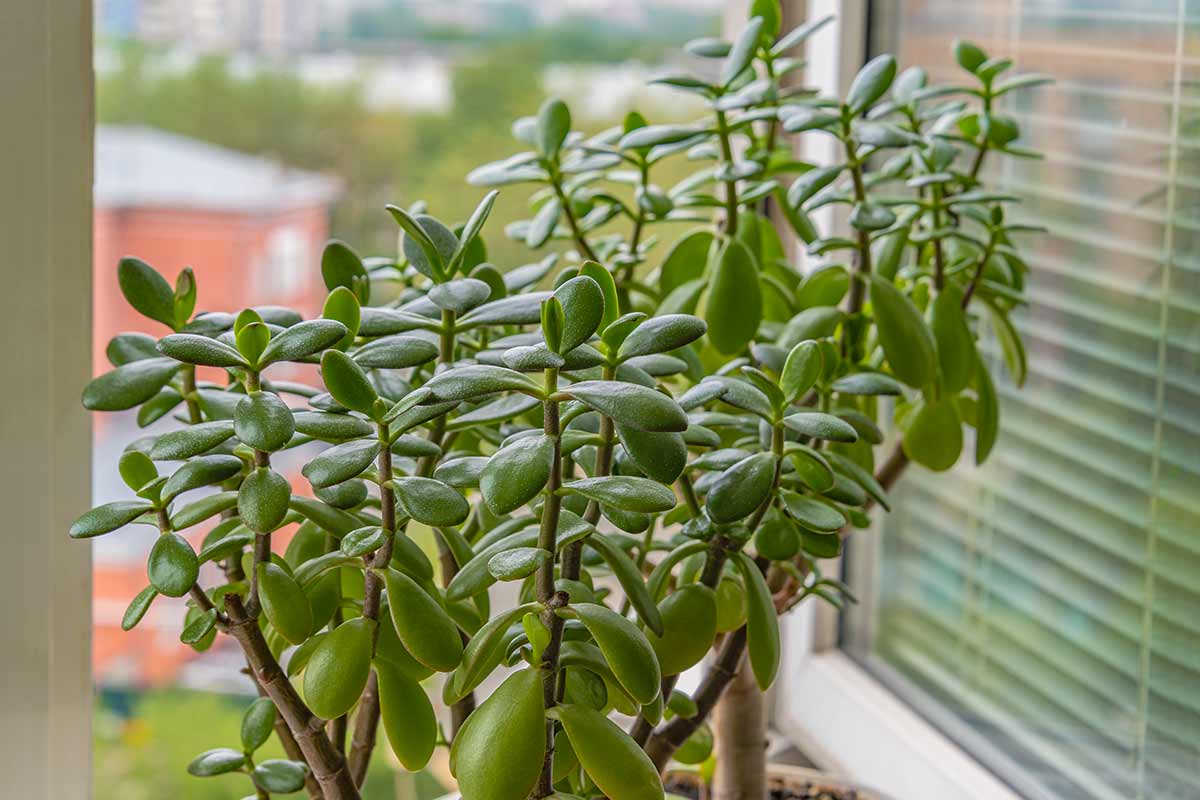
1042, 611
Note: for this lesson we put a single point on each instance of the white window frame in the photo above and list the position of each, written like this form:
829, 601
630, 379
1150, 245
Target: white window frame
45, 358
834, 711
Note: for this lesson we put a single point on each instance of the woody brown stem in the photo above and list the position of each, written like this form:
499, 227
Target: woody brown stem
327, 764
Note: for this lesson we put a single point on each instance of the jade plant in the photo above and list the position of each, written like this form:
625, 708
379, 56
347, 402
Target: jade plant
653, 453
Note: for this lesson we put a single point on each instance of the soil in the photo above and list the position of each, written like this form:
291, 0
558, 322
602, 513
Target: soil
777, 789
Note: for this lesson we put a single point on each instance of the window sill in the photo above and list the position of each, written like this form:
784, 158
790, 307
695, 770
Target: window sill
849, 723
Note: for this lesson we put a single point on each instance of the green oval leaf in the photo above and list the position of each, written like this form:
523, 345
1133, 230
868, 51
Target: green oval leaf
611, 758
516, 473
216, 762
625, 492
129, 385
426, 630
284, 603
263, 421
257, 723
498, 752
624, 646
193, 349
172, 567
302, 340
630, 405
337, 670
202, 471
341, 463
347, 382
108, 517
430, 502
191, 441
733, 309
741, 489
934, 437
407, 715
906, 340
762, 624
146, 290
689, 618
262, 500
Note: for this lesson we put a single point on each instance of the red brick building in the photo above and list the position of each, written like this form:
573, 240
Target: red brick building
252, 230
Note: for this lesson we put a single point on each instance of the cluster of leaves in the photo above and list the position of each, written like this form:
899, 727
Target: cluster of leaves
275, 775
695, 436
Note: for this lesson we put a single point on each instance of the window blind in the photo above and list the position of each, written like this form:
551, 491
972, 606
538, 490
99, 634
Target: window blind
1045, 609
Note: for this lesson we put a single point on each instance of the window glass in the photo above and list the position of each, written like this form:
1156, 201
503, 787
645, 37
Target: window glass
1044, 609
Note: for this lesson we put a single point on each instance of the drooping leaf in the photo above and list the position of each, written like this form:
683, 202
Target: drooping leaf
955, 345
934, 437
614, 761
337, 670
407, 715
422, 625
624, 646
906, 340
733, 309
762, 624
284, 603
498, 752
630, 578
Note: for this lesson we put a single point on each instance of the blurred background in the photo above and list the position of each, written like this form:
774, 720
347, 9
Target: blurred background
236, 137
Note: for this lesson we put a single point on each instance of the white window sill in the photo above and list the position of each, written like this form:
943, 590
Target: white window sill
850, 724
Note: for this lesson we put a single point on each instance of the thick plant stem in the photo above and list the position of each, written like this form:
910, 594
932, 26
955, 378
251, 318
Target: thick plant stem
366, 723
546, 593
663, 744
327, 764
740, 736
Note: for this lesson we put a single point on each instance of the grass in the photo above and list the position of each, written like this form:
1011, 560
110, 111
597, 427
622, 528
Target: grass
144, 741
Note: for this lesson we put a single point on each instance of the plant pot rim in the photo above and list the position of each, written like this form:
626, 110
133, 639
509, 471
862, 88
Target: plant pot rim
790, 776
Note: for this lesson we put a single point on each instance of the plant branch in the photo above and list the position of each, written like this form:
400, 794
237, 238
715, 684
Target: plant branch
327, 764
366, 723
576, 233
731, 201
552, 687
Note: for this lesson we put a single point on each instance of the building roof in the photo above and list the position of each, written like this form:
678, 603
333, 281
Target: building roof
138, 166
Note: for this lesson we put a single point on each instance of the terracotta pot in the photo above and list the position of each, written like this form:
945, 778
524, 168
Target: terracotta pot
784, 777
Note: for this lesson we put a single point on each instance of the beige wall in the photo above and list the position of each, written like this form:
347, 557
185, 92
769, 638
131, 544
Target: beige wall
45, 330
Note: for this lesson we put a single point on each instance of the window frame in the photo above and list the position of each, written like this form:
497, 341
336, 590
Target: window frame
839, 715
45, 321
